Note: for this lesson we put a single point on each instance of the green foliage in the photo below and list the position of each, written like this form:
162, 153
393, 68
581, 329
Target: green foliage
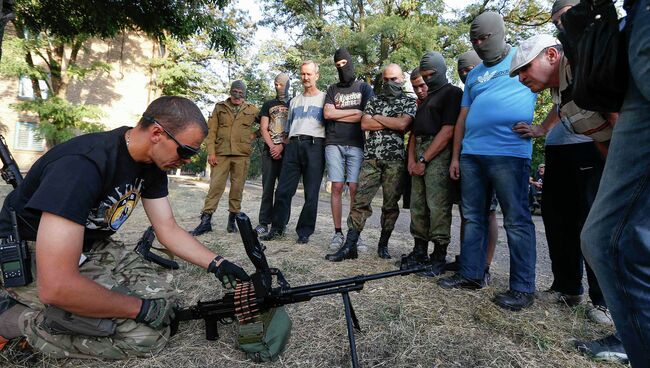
61, 120
197, 165
544, 104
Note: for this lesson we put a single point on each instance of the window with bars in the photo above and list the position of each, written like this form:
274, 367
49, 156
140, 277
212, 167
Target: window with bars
26, 137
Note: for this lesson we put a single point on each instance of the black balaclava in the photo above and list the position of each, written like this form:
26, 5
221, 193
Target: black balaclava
434, 61
495, 48
238, 85
466, 60
282, 94
559, 4
346, 73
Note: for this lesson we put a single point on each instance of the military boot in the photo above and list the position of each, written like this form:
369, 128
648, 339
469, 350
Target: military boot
205, 225
418, 255
348, 250
382, 247
231, 227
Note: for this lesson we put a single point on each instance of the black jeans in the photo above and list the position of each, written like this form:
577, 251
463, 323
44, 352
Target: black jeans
571, 181
302, 157
270, 175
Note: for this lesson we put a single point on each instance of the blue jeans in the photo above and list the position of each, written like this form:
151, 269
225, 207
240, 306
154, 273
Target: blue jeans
616, 236
343, 163
508, 177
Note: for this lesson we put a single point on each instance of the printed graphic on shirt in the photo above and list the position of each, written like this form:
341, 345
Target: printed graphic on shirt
278, 122
345, 100
113, 211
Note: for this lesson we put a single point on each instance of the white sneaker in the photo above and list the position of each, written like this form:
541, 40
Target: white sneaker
337, 241
600, 314
361, 246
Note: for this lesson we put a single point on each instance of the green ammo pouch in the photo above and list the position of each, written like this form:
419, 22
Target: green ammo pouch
265, 339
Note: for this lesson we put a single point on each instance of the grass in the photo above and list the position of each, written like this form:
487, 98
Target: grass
406, 321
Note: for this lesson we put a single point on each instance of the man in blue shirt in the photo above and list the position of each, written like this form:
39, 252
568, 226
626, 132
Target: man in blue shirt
494, 157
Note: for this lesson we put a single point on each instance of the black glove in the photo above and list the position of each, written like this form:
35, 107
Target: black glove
227, 272
157, 313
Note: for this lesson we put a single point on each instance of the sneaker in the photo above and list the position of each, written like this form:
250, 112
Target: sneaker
609, 349
361, 245
262, 229
600, 314
337, 241
552, 296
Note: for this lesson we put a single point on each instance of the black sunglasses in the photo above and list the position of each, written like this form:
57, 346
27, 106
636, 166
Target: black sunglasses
184, 151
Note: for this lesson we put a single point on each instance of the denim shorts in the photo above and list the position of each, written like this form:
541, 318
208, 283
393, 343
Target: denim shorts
343, 163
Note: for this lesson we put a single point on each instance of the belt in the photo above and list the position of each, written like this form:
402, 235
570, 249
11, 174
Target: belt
306, 138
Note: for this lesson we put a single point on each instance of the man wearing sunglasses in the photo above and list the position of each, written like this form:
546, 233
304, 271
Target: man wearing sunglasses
229, 149
93, 296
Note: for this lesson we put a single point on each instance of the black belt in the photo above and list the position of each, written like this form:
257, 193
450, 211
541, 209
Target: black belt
306, 138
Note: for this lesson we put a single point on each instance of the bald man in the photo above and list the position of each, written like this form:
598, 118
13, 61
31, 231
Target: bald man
385, 119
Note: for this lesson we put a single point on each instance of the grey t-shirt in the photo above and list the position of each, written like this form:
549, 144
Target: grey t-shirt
306, 115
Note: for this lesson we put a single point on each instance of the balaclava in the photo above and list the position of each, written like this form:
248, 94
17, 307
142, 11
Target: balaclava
346, 73
434, 61
238, 85
559, 4
466, 60
494, 48
282, 94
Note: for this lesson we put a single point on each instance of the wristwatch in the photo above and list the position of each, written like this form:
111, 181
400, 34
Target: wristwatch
422, 160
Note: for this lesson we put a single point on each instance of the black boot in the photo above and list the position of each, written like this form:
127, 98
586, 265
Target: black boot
348, 250
232, 226
382, 247
205, 225
418, 255
437, 261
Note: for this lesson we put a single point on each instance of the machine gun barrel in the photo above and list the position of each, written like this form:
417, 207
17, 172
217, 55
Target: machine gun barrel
10, 172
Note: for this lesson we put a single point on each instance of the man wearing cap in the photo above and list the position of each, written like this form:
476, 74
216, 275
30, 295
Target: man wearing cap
304, 156
386, 118
229, 148
572, 173
344, 104
429, 155
494, 157
273, 125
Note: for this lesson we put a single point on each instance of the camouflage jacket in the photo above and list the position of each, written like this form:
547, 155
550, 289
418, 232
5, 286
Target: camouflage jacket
387, 144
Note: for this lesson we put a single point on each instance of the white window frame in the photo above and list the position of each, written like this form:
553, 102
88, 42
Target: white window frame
32, 143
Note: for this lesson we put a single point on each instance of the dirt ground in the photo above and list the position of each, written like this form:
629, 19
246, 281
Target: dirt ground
406, 321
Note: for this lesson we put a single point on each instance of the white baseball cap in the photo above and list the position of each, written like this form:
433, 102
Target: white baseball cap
529, 49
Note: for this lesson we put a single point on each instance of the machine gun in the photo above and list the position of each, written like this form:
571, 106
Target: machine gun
251, 299
14, 256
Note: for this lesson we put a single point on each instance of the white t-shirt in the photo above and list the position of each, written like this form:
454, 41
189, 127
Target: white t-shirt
306, 115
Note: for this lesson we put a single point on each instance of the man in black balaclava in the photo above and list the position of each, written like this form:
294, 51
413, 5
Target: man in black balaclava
273, 128
385, 120
488, 36
466, 62
494, 157
429, 155
344, 106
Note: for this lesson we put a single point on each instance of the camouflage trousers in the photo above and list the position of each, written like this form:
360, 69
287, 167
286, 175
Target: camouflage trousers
115, 267
432, 197
375, 173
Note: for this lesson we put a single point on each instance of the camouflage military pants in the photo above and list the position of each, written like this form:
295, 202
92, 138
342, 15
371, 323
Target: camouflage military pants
431, 197
375, 173
116, 267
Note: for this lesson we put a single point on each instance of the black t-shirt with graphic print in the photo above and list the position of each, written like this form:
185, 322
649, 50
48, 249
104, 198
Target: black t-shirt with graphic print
91, 180
354, 96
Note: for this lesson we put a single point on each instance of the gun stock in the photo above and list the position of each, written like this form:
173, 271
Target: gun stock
10, 171
143, 248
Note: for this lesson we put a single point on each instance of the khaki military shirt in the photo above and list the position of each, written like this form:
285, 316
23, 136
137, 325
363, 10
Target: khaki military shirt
230, 128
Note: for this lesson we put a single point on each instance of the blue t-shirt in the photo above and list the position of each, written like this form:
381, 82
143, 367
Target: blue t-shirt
496, 102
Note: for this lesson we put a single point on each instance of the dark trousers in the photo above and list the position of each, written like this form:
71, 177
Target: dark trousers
270, 175
304, 158
571, 181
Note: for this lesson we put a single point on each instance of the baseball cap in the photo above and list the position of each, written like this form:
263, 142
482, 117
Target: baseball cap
529, 49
